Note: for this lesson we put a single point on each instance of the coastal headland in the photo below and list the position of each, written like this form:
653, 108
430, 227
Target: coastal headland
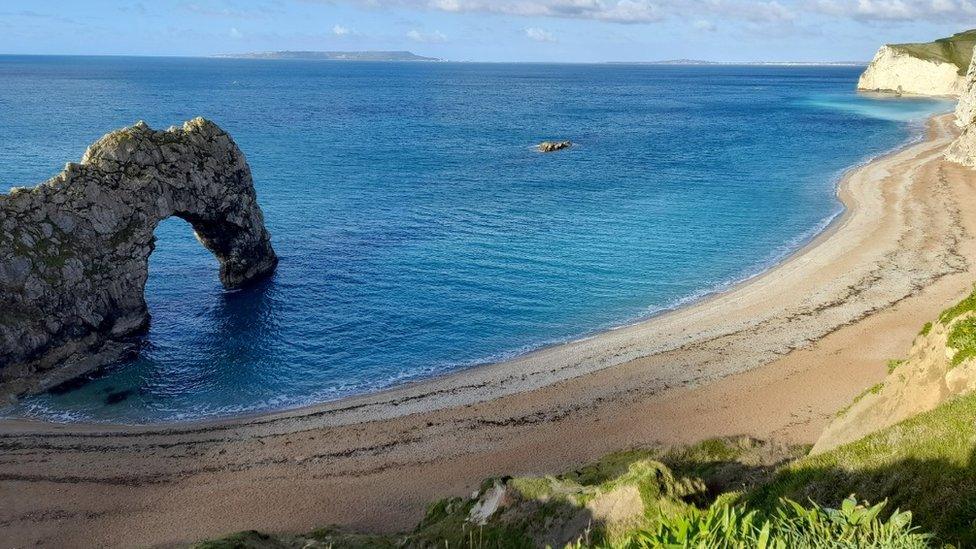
774, 357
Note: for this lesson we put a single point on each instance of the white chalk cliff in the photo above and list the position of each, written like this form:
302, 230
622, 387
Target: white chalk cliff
896, 70
963, 149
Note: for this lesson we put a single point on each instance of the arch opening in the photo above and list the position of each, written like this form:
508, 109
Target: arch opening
74, 251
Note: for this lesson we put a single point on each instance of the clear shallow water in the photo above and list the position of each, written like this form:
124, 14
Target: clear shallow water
419, 232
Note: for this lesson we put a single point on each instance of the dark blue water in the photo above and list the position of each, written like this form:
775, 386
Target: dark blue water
419, 232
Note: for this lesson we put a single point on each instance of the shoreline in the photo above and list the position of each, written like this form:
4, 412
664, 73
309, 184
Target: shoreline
773, 358
455, 375
452, 375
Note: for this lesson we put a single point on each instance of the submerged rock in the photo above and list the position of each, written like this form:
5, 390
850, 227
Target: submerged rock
550, 146
74, 250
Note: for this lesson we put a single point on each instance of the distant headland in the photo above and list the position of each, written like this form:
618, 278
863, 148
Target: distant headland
332, 55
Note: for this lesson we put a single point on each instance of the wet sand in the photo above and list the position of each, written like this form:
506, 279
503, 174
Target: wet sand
773, 358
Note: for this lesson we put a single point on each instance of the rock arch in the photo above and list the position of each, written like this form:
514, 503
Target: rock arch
74, 250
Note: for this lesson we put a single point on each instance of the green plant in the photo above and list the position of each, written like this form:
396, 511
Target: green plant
792, 525
964, 306
962, 338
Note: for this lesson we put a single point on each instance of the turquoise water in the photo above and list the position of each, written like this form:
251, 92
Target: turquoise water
420, 233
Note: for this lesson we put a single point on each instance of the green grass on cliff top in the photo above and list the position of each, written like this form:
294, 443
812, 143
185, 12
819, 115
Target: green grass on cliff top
956, 49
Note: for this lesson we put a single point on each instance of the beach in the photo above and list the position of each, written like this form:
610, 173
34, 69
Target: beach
774, 358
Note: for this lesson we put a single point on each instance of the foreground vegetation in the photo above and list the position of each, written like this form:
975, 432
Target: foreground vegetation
732, 493
925, 464
791, 526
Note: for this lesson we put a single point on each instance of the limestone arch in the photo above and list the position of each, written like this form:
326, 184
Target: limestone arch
74, 251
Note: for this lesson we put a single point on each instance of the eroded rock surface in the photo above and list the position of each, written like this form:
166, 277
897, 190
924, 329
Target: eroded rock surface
551, 146
934, 68
966, 107
74, 250
963, 148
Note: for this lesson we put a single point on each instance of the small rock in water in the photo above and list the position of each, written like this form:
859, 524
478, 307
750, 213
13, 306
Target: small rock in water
118, 396
550, 146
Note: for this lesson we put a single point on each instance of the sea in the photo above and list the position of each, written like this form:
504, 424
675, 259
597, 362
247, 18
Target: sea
420, 232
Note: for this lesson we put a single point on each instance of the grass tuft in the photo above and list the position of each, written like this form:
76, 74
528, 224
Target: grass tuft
962, 339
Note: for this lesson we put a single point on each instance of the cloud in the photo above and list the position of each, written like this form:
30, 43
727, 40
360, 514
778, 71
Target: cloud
611, 11
206, 9
234, 33
896, 10
539, 35
616, 11
339, 30
753, 11
704, 25
433, 37
764, 13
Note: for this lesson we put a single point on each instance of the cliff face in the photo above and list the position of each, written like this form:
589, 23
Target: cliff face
74, 250
940, 365
963, 149
897, 70
966, 108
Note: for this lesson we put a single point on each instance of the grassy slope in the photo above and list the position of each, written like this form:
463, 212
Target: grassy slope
926, 464
957, 49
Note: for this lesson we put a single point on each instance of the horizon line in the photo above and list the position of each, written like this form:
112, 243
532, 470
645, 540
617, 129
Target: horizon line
246, 56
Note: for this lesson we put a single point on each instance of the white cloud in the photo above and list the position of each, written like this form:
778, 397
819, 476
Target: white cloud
427, 37
539, 35
612, 11
759, 12
234, 33
897, 10
617, 11
339, 30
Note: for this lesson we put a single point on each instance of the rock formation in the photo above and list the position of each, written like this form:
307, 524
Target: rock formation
897, 71
932, 68
74, 250
963, 148
966, 107
550, 146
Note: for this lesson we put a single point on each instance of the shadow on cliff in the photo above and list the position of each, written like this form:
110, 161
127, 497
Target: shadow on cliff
940, 493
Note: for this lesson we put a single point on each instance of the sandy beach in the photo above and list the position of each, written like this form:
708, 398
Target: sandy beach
773, 358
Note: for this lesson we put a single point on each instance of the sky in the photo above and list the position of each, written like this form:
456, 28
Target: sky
484, 30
